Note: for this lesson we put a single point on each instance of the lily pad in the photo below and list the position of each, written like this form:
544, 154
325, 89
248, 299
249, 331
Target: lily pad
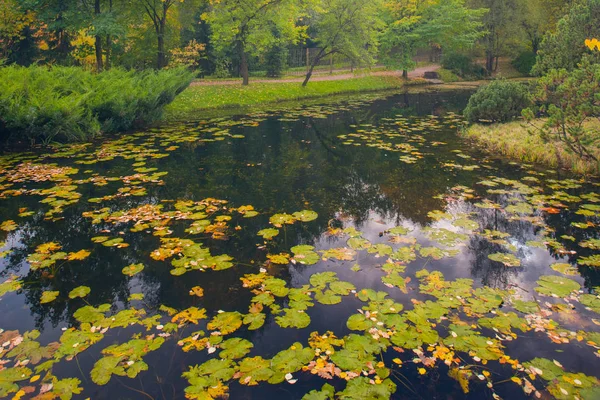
80, 291
557, 286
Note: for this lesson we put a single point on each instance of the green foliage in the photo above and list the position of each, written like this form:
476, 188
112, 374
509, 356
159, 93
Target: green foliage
275, 59
570, 100
463, 66
348, 27
565, 47
499, 101
524, 62
69, 104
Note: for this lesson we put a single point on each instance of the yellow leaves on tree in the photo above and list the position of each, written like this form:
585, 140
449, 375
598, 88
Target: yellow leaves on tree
593, 44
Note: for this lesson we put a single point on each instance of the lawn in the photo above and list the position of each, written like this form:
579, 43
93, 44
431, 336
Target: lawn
519, 141
198, 98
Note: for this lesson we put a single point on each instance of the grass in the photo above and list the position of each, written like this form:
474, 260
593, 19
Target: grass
448, 76
198, 98
517, 140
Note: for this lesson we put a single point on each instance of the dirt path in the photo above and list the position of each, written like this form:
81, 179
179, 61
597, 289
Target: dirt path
417, 73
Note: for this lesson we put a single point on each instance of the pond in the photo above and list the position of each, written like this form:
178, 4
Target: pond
357, 249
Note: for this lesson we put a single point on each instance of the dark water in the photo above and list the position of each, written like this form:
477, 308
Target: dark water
286, 162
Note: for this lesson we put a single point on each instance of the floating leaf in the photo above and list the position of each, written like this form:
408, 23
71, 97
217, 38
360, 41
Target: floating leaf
293, 319
80, 291
551, 285
48, 297
226, 322
508, 260
306, 215
133, 269
268, 233
235, 348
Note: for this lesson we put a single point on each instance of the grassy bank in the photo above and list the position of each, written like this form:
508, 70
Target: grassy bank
518, 141
198, 98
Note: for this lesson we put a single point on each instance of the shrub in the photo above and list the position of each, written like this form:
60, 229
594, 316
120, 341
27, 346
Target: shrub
498, 102
463, 66
524, 62
69, 104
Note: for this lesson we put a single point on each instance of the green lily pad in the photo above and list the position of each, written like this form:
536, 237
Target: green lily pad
293, 319
306, 215
509, 260
226, 322
268, 233
48, 297
557, 286
80, 291
235, 348
133, 269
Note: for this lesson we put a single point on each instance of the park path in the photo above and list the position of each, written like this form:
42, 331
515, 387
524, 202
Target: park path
416, 73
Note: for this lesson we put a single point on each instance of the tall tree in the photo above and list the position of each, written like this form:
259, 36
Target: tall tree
158, 11
399, 41
500, 26
241, 23
451, 25
536, 17
448, 24
565, 47
347, 27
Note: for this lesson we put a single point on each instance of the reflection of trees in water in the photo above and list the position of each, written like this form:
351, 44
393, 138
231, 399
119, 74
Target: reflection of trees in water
295, 166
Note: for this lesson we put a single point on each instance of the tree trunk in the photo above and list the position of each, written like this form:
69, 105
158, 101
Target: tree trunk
244, 66
404, 74
99, 64
496, 65
98, 45
108, 49
108, 52
313, 65
160, 56
489, 62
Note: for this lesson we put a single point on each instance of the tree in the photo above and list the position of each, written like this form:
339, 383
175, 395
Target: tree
13, 21
565, 47
347, 27
399, 41
445, 24
536, 17
239, 23
451, 25
158, 11
570, 100
500, 27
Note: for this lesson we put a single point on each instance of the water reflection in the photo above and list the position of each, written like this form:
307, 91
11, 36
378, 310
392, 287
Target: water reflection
283, 166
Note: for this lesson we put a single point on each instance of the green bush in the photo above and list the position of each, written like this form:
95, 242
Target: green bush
463, 66
498, 102
275, 60
41, 104
524, 62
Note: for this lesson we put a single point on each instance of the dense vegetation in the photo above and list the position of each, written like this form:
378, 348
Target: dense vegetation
39, 104
497, 102
237, 38
563, 109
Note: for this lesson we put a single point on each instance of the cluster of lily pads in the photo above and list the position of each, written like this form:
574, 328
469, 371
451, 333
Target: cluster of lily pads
456, 326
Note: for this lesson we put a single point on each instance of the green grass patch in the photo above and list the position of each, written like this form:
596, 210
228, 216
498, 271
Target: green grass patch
519, 141
448, 76
197, 98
